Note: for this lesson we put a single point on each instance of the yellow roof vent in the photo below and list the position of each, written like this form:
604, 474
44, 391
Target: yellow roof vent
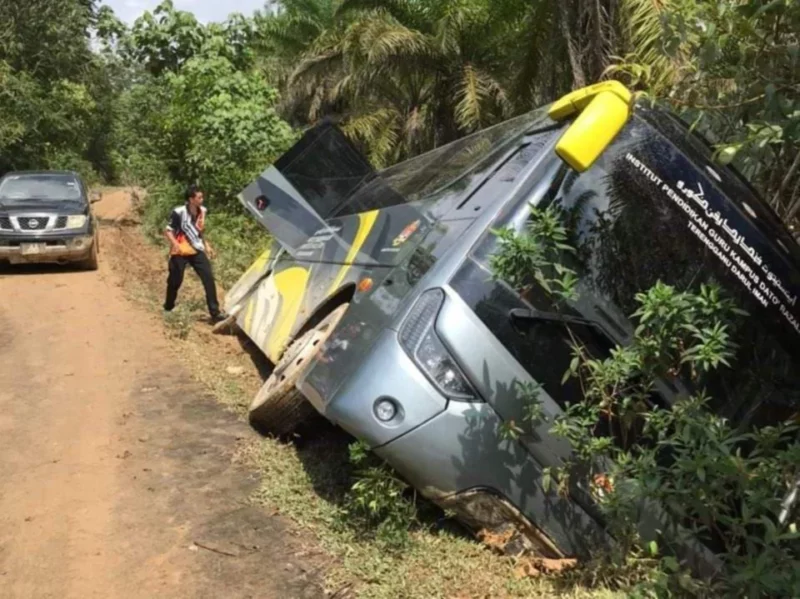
603, 110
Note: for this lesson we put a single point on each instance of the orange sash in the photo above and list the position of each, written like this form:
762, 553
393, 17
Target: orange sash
184, 247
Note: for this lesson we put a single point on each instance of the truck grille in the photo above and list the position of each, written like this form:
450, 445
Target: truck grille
61, 222
5, 223
32, 223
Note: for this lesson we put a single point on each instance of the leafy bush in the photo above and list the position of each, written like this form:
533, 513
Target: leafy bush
160, 200
704, 479
202, 121
221, 126
730, 68
179, 322
73, 161
238, 240
378, 499
53, 88
141, 153
533, 255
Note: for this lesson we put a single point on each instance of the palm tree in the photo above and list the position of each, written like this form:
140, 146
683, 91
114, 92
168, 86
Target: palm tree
286, 32
409, 75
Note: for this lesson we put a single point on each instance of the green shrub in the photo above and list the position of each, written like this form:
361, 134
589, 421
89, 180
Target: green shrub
715, 483
72, 161
179, 322
238, 240
206, 122
160, 200
378, 500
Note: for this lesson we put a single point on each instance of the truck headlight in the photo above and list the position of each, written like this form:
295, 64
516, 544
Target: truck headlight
418, 337
76, 221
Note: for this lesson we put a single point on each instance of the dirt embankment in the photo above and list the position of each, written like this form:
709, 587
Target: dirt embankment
116, 476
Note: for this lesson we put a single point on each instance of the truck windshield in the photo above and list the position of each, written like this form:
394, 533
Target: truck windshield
39, 186
643, 214
322, 180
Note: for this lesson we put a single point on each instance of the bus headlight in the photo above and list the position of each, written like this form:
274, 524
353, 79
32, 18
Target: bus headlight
420, 341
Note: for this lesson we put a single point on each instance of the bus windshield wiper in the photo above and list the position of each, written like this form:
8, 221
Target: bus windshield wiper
519, 316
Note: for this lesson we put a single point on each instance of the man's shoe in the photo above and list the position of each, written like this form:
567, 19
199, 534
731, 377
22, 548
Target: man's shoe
218, 318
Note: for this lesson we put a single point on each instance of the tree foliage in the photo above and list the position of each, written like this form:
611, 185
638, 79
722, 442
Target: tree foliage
731, 67
406, 76
220, 128
166, 39
50, 85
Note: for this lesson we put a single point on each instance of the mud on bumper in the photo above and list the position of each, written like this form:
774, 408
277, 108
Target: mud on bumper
71, 249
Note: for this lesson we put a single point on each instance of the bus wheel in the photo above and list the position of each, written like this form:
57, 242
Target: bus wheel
278, 408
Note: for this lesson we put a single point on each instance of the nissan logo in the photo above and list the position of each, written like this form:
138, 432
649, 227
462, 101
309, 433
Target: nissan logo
33, 223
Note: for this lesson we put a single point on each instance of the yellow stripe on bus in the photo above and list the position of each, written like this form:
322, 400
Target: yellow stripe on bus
291, 285
259, 264
251, 309
366, 222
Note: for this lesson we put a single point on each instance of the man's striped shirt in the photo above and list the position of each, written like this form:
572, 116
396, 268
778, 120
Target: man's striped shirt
181, 223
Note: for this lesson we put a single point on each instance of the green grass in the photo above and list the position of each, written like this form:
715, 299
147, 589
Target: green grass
308, 485
179, 322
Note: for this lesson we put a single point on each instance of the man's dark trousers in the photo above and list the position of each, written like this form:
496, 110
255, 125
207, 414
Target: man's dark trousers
202, 266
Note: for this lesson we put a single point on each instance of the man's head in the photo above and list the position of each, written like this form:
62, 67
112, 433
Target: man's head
194, 196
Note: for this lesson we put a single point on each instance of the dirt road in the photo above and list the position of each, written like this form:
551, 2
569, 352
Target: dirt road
116, 477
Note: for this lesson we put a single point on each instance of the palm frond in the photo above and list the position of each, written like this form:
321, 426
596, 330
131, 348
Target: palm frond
315, 9
315, 65
478, 94
647, 62
397, 41
377, 129
471, 95
406, 12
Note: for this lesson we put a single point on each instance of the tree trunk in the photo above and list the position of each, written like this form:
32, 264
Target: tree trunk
578, 75
598, 42
795, 206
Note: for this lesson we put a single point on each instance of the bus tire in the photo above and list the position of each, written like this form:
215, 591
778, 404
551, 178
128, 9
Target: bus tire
278, 408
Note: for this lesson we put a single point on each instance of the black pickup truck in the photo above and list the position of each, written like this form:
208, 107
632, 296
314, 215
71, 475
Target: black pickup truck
46, 216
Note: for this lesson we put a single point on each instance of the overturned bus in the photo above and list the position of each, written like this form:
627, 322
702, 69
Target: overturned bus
378, 308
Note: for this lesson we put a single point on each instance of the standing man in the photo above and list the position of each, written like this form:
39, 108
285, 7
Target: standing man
187, 246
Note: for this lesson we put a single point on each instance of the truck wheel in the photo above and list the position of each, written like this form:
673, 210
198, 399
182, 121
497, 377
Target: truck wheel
278, 408
92, 262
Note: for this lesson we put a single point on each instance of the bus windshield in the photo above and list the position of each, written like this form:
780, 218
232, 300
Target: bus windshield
447, 170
